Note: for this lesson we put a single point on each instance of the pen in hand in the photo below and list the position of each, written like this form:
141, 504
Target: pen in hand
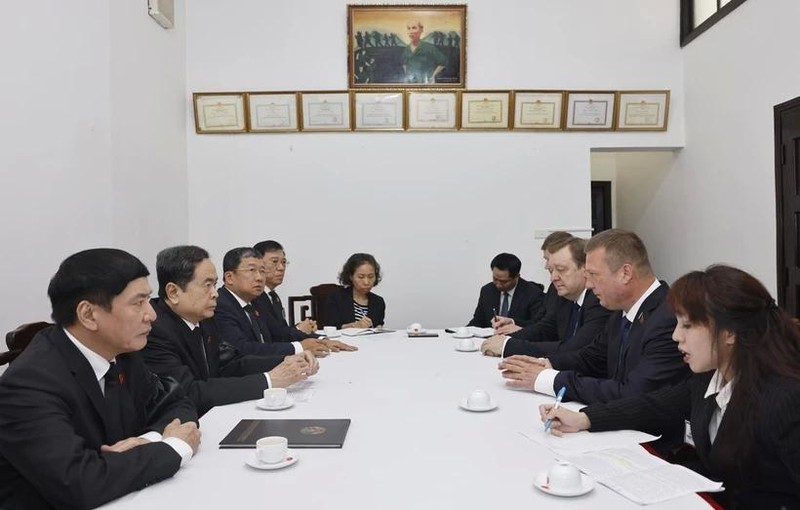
559, 398
494, 313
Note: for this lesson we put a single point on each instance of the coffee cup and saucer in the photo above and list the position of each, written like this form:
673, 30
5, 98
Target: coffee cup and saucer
466, 344
478, 401
330, 331
564, 479
272, 452
275, 399
415, 328
462, 332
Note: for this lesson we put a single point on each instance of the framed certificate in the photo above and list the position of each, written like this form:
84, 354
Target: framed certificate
219, 112
590, 110
325, 111
431, 111
538, 109
487, 109
382, 110
642, 110
270, 112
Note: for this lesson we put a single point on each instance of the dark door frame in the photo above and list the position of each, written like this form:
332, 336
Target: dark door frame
780, 160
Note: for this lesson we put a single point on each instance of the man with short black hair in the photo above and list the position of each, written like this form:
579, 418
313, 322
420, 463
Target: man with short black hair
508, 295
185, 343
82, 420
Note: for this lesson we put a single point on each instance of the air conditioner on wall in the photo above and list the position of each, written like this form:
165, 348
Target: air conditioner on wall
163, 11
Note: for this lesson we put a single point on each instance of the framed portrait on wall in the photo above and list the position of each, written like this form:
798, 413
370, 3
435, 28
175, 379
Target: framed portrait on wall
219, 112
406, 45
271, 112
538, 109
590, 110
642, 110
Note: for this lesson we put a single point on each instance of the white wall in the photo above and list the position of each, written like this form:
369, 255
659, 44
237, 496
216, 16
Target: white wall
434, 208
717, 204
94, 108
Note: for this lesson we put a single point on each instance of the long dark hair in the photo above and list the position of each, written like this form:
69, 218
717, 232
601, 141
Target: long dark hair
767, 344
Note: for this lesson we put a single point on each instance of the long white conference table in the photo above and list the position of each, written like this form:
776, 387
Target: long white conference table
409, 446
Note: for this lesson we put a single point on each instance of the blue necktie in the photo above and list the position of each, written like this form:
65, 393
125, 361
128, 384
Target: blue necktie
504, 305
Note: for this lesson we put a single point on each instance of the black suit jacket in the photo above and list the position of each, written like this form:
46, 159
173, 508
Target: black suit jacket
527, 306
52, 424
236, 329
775, 472
599, 373
547, 335
339, 308
279, 329
174, 350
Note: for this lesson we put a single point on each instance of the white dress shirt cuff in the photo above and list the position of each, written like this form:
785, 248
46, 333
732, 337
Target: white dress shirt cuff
151, 436
503, 350
298, 347
269, 381
545, 382
181, 447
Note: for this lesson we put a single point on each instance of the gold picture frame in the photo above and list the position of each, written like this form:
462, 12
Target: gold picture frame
417, 46
590, 110
538, 110
219, 112
378, 110
485, 109
325, 111
642, 110
273, 112
432, 110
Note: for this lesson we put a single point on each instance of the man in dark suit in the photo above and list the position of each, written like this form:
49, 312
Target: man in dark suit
508, 296
239, 323
578, 316
635, 352
82, 420
270, 308
185, 344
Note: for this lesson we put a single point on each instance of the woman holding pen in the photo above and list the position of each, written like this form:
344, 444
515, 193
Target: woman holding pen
743, 401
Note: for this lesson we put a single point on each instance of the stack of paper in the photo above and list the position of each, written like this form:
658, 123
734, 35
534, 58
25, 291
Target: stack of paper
364, 331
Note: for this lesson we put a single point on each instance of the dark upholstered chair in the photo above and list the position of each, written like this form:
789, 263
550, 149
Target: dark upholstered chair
19, 339
320, 295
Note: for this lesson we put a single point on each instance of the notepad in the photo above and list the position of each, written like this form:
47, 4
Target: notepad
300, 433
365, 331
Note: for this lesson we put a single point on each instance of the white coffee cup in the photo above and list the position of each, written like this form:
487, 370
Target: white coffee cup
330, 331
463, 332
274, 397
466, 344
564, 477
478, 399
271, 449
415, 328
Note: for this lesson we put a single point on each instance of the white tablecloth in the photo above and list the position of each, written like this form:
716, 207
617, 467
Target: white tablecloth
409, 445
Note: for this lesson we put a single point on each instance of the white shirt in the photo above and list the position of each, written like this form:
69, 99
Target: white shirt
510, 299
724, 391
546, 379
100, 366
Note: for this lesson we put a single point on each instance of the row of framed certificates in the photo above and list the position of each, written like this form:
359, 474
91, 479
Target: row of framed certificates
430, 110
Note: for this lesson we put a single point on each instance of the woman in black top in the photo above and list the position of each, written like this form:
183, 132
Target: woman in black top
354, 305
743, 401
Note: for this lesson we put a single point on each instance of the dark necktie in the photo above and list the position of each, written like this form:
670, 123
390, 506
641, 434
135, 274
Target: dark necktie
504, 305
248, 309
574, 320
113, 395
276, 304
200, 345
623, 340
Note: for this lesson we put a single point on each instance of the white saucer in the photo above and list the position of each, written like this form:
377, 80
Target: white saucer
474, 348
463, 405
253, 462
462, 336
587, 484
289, 402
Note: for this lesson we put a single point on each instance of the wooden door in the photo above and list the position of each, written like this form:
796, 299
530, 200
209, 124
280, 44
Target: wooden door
787, 201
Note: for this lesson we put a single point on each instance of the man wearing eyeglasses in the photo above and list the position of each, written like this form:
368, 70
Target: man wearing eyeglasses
239, 322
270, 308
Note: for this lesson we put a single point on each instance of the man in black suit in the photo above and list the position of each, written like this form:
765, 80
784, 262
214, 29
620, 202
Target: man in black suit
578, 316
239, 322
269, 306
508, 296
82, 420
185, 344
634, 354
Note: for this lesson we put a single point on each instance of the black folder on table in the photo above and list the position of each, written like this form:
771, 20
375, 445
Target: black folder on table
328, 433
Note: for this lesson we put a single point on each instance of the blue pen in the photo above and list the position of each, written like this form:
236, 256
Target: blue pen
559, 398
